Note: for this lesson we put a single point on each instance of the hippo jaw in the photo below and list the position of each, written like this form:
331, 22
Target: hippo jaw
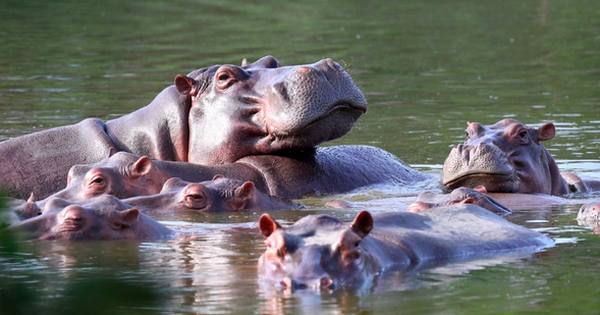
263, 108
473, 166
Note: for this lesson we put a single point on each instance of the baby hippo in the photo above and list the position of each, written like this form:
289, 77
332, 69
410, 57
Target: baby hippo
100, 218
218, 195
589, 213
477, 196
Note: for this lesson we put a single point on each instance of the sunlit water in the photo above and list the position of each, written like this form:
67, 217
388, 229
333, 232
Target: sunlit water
426, 67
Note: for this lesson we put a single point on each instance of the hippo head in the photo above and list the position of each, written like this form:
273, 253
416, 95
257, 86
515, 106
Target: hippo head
589, 214
317, 252
219, 194
263, 108
104, 217
122, 175
428, 199
504, 157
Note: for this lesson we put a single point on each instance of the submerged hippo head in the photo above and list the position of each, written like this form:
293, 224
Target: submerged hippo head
217, 195
262, 108
589, 214
428, 199
317, 252
101, 218
122, 175
504, 157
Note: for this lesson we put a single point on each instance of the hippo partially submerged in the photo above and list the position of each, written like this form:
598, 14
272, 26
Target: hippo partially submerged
101, 218
218, 195
321, 252
259, 117
508, 157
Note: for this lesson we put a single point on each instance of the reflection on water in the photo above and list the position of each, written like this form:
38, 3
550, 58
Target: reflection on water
426, 67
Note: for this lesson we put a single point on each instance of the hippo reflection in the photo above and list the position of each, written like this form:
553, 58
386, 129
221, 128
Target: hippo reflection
321, 252
508, 157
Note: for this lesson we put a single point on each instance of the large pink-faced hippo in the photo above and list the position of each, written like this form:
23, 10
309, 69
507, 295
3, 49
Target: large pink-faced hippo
218, 195
101, 218
321, 252
508, 157
260, 117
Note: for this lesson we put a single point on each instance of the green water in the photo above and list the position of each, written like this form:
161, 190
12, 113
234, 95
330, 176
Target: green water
426, 67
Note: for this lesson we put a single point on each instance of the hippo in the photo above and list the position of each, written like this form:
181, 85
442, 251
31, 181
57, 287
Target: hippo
428, 199
218, 195
260, 115
101, 218
589, 213
321, 252
508, 157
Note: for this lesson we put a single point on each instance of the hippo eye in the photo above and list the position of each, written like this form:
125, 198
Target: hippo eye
97, 182
225, 78
523, 134
195, 201
357, 243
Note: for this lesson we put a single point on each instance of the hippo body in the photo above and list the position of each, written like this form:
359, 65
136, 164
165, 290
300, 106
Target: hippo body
508, 157
321, 252
218, 195
261, 115
100, 218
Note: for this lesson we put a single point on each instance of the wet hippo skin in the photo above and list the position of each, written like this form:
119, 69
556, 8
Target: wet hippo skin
263, 116
218, 195
320, 252
508, 157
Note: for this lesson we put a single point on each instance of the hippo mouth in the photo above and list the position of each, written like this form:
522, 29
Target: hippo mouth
491, 181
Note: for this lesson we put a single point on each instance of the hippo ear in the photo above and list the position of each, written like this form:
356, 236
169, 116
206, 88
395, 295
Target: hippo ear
217, 176
362, 224
267, 225
186, 85
127, 217
244, 63
546, 132
141, 167
243, 194
111, 151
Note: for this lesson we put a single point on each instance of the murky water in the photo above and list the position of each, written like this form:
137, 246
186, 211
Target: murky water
426, 67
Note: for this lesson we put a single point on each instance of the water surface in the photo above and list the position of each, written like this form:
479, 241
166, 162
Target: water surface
426, 67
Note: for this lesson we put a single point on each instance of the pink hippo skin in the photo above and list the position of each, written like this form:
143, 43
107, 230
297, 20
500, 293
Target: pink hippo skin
589, 214
218, 195
320, 252
258, 117
508, 157
101, 218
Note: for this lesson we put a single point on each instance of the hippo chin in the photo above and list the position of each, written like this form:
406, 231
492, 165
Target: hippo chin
508, 157
320, 252
214, 115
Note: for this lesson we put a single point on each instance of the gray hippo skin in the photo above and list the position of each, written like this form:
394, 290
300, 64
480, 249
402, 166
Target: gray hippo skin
508, 157
261, 115
218, 195
428, 199
321, 252
101, 218
589, 214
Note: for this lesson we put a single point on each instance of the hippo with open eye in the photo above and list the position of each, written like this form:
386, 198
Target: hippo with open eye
101, 218
320, 252
217, 195
259, 117
508, 157
428, 199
